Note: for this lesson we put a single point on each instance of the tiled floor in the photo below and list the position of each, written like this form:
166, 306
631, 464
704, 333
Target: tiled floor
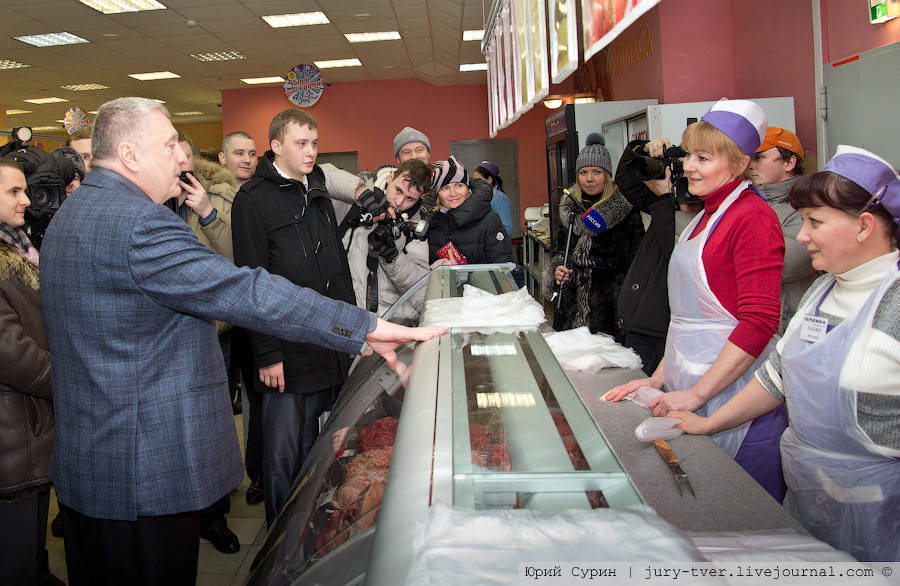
214, 568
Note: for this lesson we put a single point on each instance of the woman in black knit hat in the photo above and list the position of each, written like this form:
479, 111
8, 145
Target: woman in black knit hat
599, 256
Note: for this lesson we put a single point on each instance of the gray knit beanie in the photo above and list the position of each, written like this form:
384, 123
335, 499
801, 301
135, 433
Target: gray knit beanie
594, 154
408, 135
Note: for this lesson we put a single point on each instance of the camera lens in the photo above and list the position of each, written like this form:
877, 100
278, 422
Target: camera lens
647, 168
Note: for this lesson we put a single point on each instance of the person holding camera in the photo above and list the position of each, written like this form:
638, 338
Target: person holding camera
724, 285
463, 227
599, 251
26, 408
385, 258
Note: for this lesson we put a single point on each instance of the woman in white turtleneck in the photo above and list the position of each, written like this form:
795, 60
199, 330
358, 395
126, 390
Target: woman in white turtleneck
838, 365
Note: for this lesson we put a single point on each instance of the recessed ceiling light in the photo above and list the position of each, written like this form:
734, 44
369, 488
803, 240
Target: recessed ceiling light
191, 113
83, 87
45, 128
94, 112
61, 121
473, 35
473, 67
218, 56
369, 37
160, 101
362, 15
110, 36
14, 112
297, 19
117, 6
10, 64
389, 67
338, 63
52, 39
45, 100
256, 80
154, 75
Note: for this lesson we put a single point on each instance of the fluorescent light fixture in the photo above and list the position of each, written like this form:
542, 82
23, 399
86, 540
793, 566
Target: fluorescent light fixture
158, 100
219, 56
338, 63
117, 6
473, 67
553, 103
83, 87
473, 35
61, 121
296, 19
256, 80
191, 113
45, 100
369, 37
45, 128
52, 39
154, 75
14, 112
95, 112
10, 64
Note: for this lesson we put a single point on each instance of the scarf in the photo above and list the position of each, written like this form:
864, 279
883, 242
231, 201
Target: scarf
19, 239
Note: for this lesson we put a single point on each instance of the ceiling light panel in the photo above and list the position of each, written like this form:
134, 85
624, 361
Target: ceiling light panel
154, 75
84, 87
370, 37
338, 63
258, 80
297, 19
39, 128
218, 56
473, 67
45, 100
191, 113
52, 39
473, 35
119, 6
14, 112
10, 64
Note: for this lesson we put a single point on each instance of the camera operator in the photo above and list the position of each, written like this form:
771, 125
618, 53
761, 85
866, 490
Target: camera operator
643, 304
385, 258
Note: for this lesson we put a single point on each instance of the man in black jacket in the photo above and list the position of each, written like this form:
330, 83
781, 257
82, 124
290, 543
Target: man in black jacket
284, 221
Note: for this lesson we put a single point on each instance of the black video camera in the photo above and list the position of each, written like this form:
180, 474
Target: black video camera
417, 230
644, 168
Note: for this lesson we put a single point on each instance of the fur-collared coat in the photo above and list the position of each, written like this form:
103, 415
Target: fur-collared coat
599, 262
221, 186
26, 412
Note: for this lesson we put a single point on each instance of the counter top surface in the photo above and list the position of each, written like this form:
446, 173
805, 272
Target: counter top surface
728, 499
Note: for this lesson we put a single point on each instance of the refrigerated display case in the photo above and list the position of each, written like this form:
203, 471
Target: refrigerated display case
477, 421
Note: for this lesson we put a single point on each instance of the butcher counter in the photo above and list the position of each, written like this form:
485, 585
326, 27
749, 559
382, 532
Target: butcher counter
481, 422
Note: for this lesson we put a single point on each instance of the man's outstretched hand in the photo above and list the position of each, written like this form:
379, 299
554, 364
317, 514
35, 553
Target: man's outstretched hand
386, 336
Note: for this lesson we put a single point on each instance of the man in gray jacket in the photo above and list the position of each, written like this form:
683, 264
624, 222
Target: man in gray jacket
775, 167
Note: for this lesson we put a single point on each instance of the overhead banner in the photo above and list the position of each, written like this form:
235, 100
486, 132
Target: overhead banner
604, 20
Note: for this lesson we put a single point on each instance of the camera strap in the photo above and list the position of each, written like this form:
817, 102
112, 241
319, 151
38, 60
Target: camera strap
372, 283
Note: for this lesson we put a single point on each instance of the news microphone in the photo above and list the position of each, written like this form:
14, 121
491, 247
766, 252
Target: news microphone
594, 221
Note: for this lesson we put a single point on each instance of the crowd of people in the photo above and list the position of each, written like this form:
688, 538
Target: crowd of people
765, 305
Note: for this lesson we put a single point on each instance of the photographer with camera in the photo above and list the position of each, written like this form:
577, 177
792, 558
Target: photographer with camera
385, 250
604, 242
643, 304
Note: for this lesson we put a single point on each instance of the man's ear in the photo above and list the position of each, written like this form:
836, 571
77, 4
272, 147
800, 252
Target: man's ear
791, 163
129, 156
275, 145
221, 158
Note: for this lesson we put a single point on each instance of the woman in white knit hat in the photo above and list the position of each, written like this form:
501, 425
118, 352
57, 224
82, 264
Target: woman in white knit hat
724, 289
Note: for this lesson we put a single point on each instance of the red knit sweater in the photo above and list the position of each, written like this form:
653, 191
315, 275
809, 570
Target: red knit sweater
743, 259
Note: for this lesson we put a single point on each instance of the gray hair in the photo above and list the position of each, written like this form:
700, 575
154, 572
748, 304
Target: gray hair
120, 120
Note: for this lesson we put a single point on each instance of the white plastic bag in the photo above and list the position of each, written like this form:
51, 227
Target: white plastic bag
578, 349
657, 428
643, 396
485, 312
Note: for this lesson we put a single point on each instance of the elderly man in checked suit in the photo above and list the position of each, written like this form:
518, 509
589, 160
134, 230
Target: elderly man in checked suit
145, 435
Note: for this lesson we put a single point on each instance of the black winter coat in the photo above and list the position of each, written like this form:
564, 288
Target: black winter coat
643, 306
599, 262
476, 231
290, 231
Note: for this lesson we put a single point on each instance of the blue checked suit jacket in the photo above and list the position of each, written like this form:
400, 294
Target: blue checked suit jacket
143, 420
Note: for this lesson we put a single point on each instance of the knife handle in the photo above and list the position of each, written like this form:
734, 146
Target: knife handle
665, 451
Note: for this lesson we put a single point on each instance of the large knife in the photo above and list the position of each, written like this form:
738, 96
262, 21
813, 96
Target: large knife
681, 477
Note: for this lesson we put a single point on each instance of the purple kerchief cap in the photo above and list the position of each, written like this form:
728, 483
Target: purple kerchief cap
870, 172
742, 121
491, 167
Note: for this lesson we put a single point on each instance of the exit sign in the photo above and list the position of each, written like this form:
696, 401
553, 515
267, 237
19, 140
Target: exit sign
883, 10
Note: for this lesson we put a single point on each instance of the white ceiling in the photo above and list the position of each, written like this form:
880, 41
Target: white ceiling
431, 49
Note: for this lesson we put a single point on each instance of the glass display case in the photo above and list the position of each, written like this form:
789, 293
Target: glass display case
479, 421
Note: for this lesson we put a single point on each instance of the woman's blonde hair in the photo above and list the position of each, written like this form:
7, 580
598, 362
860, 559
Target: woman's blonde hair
608, 188
703, 136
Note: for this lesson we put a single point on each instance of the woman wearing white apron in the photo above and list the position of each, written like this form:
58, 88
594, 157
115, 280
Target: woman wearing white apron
838, 365
724, 288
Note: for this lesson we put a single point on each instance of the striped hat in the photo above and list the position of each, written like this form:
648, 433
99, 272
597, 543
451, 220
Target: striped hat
447, 172
742, 121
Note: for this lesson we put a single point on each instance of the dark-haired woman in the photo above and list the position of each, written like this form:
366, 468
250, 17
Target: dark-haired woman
838, 365
500, 204
597, 261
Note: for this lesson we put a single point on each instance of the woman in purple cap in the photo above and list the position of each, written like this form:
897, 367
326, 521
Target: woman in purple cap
724, 289
500, 204
838, 365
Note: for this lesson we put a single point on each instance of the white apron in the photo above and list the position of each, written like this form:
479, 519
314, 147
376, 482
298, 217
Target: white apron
842, 493
699, 325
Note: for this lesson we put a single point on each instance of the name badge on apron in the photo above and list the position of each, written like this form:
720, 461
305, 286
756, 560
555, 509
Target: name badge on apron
813, 328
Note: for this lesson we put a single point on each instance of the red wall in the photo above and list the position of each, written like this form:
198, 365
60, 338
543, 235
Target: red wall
365, 117
847, 31
642, 74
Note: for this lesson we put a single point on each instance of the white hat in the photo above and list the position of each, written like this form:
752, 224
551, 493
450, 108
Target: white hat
742, 121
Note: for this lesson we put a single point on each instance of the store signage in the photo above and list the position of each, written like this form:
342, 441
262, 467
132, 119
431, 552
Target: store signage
304, 85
